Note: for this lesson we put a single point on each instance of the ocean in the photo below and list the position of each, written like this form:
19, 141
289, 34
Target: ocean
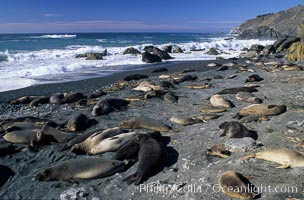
31, 59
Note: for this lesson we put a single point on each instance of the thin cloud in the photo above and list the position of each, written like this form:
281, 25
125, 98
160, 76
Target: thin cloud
51, 15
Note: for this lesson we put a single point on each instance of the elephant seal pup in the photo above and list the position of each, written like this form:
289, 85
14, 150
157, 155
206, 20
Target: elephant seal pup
82, 168
149, 155
238, 89
105, 106
54, 135
235, 129
262, 110
135, 77
72, 97
39, 100
248, 97
285, 157
254, 78
32, 137
24, 100
130, 149
78, 139
170, 97
111, 144
56, 98
253, 118
153, 93
95, 138
184, 78
218, 150
184, 121
208, 109
206, 117
145, 122
97, 94
235, 185
146, 86
79, 122
219, 101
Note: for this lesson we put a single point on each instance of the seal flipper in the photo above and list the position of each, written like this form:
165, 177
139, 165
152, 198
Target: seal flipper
130, 179
285, 165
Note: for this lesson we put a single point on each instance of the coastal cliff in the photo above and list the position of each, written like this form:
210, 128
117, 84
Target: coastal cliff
273, 25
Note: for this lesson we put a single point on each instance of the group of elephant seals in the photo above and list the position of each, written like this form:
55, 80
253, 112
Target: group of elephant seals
262, 110
145, 122
105, 106
82, 168
149, 155
235, 129
236, 185
23, 100
238, 89
285, 157
248, 97
39, 100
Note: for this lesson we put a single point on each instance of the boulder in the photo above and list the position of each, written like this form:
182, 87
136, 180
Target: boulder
213, 51
177, 49
163, 54
296, 52
268, 50
249, 54
149, 48
287, 43
168, 48
91, 56
256, 47
94, 56
150, 58
132, 51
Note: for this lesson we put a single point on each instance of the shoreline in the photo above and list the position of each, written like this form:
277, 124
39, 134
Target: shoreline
92, 84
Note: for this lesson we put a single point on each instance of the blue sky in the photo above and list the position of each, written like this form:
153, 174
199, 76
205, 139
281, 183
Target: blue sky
63, 16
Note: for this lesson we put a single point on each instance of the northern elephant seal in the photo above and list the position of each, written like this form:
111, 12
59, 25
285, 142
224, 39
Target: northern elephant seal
248, 97
254, 78
236, 185
105, 106
285, 157
79, 122
184, 121
145, 122
23, 100
72, 97
235, 129
218, 150
219, 101
94, 139
56, 98
32, 137
170, 97
111, 144
262, 110
149, 155
82, 168
238, 89
39, 100
206, 117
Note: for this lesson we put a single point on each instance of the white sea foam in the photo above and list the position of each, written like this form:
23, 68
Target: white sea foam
55, 36
27, 67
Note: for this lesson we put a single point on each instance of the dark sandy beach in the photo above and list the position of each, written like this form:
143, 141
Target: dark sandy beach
191, 174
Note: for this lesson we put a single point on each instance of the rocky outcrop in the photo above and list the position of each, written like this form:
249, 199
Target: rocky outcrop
213, 51
91, 56
177, 49
163, 54
131, 51
296, 50
276, 25
150, 58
